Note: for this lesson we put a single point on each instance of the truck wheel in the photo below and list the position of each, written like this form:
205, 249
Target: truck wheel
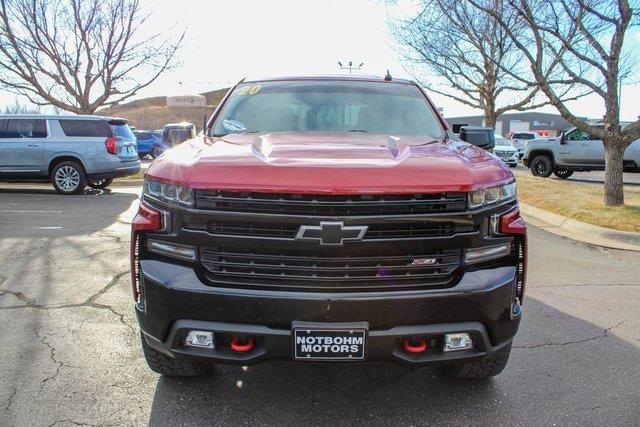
100, 183
165, 365
562, 173
486, 368
68, 178
156, 152
541, 166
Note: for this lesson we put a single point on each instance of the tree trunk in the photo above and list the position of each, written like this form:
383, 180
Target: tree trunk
613, 183
490, 119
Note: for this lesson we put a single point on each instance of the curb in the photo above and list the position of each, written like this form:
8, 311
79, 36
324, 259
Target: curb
581, 231
126, 183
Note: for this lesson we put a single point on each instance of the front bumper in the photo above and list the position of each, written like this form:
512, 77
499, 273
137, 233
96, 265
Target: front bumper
176, 301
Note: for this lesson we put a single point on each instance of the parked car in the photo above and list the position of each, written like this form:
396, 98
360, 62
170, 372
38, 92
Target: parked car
149, 143
574, 150
176, 133
506, 151
519, 140
70, 151
345, 226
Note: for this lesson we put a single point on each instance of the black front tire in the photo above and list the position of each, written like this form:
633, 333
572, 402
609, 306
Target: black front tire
486, 368
541, 166
156, 152
165, 365
68, 178
562, 173
100, 183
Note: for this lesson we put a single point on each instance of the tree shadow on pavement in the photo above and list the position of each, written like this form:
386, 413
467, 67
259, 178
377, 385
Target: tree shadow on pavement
562, 369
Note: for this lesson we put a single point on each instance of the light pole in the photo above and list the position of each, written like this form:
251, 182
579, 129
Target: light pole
350, 67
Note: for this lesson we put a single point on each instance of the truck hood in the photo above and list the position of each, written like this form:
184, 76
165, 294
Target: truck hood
329, 163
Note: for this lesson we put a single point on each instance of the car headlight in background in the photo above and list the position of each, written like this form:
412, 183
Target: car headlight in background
493, 195
169, 193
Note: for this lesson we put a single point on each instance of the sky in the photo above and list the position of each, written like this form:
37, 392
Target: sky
227, 40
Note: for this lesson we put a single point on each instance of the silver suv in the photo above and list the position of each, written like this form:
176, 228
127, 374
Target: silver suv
71, 151
574, 150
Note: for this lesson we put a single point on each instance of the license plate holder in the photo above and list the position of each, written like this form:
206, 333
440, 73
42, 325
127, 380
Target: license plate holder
337, 344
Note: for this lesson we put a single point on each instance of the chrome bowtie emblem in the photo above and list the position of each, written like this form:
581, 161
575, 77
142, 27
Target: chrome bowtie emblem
331, 232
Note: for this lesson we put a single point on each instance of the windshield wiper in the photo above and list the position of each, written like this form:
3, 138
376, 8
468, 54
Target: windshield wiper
358, 130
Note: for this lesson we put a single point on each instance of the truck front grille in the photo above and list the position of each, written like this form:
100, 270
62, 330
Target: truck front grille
394, 230
322, 204
294, 270
251, 240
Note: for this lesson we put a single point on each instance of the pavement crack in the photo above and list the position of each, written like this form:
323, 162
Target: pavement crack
602, 334
96, 254
52, 355
10, 400
89, 302
22, 297
69, 421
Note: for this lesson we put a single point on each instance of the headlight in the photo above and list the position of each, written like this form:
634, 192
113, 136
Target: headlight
493, 195
168, 193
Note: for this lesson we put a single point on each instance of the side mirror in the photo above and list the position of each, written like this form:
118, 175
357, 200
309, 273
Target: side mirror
479, 136
563, 137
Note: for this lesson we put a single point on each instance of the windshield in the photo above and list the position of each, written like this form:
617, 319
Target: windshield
122, 130
502, 142
328, 106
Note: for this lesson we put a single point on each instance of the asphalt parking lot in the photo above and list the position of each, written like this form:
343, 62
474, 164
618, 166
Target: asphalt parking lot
71, 356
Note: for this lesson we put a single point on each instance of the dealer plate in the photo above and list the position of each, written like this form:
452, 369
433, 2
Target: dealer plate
329, 344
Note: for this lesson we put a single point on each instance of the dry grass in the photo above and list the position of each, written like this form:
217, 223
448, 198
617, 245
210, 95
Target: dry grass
581, 201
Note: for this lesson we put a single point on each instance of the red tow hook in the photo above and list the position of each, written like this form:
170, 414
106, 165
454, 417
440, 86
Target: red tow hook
242, 344
415, 345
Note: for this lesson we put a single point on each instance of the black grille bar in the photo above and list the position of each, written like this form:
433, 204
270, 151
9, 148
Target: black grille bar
332, 205
313, 271
392, 230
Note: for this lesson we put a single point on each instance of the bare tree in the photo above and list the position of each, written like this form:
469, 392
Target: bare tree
588, 39
17, 108
79, 55
472, 53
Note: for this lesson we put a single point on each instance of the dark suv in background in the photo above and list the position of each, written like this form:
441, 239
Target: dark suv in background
70, 151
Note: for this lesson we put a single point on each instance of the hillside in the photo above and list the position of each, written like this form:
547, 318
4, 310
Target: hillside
153, 113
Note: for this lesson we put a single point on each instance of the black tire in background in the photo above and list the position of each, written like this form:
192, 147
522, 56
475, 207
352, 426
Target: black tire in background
562, 173
156, 152
68, 178
165, 365
100, 183
541, 166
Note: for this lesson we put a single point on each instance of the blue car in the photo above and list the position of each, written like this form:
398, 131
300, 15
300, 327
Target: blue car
149, 143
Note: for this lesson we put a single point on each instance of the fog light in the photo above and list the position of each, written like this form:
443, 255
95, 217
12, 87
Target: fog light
454, 342
486, 253
203, 339
175, 250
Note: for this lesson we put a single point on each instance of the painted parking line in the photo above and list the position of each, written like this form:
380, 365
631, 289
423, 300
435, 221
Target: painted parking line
30, 211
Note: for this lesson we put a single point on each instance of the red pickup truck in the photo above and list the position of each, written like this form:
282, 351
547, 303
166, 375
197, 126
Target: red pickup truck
328, 219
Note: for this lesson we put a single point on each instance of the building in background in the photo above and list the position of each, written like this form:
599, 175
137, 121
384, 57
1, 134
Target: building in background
545, 124
186, 101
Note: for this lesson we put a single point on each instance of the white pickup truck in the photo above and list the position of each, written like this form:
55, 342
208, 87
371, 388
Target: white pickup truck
520, 139
574, 150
